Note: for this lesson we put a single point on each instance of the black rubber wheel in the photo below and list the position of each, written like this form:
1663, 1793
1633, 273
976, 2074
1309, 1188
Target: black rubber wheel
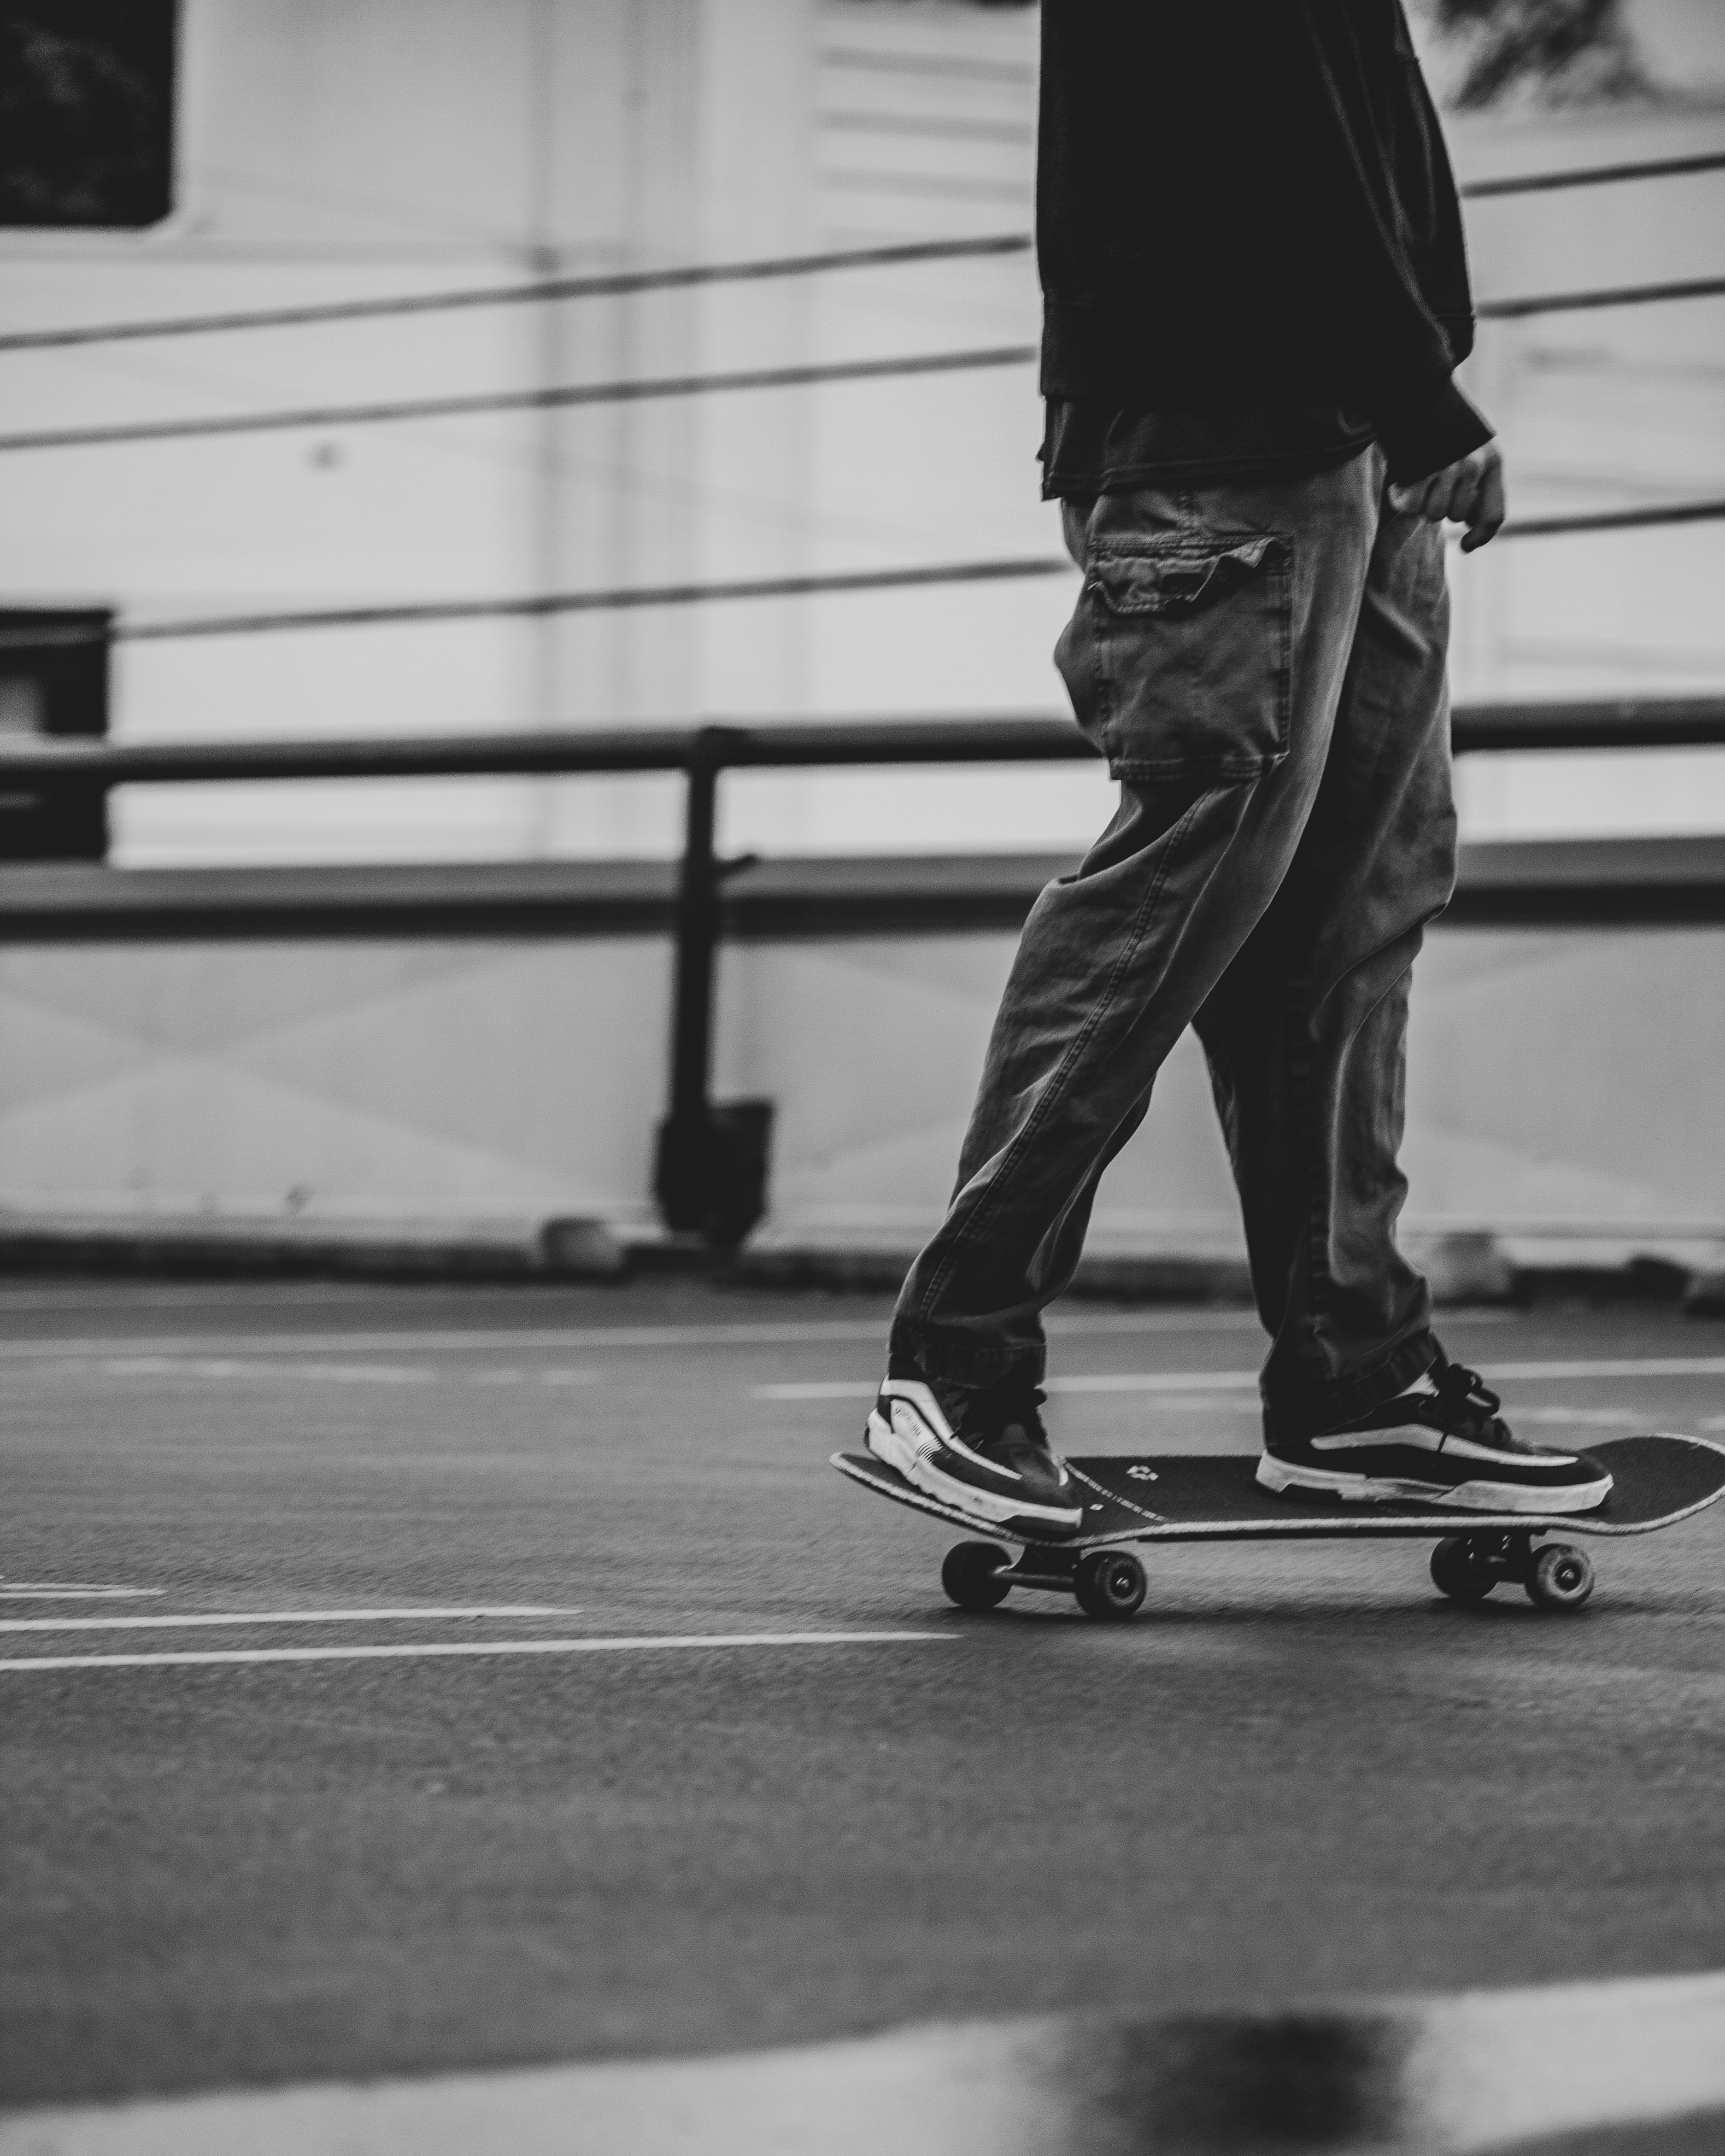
970, 1572
1457, 1572
1109, 1585
1562, 1577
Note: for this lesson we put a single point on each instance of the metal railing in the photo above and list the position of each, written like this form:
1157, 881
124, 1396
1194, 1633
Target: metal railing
698, 1149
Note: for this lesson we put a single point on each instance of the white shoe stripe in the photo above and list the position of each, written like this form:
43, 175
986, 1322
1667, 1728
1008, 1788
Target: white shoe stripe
1418, 1437
911, 1397
919, 1396
1480, 1497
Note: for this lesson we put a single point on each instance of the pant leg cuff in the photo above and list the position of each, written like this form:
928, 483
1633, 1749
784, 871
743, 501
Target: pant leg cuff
947, 1361
1293, 1410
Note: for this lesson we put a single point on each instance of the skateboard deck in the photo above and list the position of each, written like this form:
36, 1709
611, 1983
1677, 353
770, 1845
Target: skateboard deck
1657, 1480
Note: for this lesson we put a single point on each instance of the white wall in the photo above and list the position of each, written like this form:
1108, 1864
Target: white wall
464, 1080
333, 148
379, 145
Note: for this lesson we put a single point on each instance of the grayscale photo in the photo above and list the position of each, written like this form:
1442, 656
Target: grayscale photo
757, 755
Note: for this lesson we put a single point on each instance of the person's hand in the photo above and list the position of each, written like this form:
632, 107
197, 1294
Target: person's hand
1469, 491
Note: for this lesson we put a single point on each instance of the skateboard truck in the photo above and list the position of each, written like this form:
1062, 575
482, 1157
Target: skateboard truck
1107, 1583
1556, 1576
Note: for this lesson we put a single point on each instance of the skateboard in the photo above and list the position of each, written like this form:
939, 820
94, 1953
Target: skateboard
1180, 1497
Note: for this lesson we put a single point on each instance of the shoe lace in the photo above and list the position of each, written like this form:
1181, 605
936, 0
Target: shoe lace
1013, 1400
1467, 1405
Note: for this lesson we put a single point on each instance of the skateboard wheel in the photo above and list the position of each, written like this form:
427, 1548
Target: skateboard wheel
1457, 1570
971, 1575
1562, 1577
1109, 1584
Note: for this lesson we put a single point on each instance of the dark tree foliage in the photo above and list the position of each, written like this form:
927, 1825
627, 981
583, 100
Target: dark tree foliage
1568, 51
86, 111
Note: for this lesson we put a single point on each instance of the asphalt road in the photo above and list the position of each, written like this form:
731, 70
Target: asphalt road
1299, 1771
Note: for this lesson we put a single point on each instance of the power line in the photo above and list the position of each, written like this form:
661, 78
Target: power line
628, 596
542, 603
518, 400
1614, 520
695, 385
647, 281
511, 295
929, 63
1591, 176
1619, 295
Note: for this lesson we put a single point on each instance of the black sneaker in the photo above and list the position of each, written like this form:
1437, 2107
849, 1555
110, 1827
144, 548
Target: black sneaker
1448, 1447
984, 1453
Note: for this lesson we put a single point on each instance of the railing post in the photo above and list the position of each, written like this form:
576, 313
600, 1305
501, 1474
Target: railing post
712, 1168
698, 934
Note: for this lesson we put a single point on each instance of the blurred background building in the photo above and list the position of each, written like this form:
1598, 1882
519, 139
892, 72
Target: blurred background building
232, 156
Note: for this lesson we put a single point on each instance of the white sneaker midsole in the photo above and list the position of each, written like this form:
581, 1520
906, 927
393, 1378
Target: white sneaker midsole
1274, 1474
918, 1469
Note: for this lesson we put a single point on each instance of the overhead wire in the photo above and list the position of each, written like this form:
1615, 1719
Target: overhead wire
615, 283
640, 388
1593, 176
624, 597
606, 284
1616, 295
633, 390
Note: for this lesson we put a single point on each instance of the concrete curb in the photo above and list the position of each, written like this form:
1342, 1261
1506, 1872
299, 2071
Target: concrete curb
1470, 2074
1463, 1268
189, 1248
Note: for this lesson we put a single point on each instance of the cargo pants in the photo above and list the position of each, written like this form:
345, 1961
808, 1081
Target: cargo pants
1263, 666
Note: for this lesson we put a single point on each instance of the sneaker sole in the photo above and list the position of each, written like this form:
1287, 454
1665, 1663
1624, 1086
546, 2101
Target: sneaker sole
982, 1506
1278, 1474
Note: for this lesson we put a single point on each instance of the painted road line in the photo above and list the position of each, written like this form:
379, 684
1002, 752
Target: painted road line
234, 1366
46, 1590
1593, 1418
341, 1373
1217, 1381
1649, 1366
824, 1331
1183, 1381
1644, 1365
159, 1623
422, 1650
1462, 2075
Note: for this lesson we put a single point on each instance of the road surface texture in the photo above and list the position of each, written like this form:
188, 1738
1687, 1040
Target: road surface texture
1299, 1773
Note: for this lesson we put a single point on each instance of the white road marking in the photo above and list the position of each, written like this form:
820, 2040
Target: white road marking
432, 1341
343, 1373
1165, 1381
1471, 2072
158, 1623
43, 1590
421, 1650
1649, 1366
844, 1388
1181, 1381
1599, 1417
188, 1366
1200, 1381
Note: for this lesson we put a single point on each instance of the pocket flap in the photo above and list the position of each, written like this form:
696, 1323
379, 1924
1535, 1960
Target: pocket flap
1185, 573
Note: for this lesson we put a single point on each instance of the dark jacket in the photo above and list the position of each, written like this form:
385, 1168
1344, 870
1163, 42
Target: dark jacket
1247, 203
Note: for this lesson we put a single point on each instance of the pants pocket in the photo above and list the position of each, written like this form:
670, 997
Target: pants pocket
1179, 657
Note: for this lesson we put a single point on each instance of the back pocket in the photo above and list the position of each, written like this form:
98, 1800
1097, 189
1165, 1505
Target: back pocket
1179, 657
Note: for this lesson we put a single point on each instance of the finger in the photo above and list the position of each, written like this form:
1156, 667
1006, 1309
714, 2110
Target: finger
1434, 504
1489, 509
1464, 494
